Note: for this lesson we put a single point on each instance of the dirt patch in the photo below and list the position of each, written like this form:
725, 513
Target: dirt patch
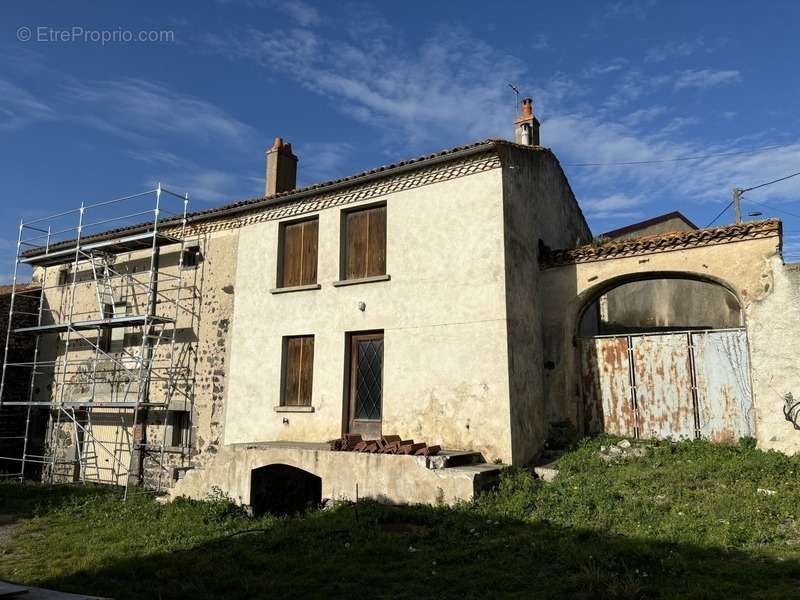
9, 528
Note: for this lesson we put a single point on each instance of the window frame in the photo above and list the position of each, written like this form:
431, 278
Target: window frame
194, 249
280, 277
284, 405
343, 244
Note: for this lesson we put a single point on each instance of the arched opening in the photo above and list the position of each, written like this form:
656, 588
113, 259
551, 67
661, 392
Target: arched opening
664, 356
282, 489
660, 304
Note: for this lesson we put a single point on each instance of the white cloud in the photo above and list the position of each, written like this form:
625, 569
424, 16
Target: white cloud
705, 78
636, 9
601, 70
673, 50
644, 115
449, 87
453, 87
540, 41
204, 184
303, 13
135, 108
322, 161
613, 206
19, 108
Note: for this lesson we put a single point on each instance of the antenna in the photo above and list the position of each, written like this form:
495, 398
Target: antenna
516, 94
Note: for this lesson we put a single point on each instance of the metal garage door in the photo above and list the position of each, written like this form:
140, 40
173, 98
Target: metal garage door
675, 385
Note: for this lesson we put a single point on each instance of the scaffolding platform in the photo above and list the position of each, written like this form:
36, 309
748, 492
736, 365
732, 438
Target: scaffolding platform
129, 243
110, 323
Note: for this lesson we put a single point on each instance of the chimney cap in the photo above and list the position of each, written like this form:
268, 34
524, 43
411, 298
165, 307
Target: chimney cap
279, 146
527, 111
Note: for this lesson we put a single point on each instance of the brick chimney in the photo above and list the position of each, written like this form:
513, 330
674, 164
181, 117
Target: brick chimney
281, 168
526, 129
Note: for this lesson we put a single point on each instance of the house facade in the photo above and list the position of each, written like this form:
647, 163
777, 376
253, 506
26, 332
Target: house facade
448, 299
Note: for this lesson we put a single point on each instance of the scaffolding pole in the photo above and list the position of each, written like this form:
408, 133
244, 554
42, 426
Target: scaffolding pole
123, 371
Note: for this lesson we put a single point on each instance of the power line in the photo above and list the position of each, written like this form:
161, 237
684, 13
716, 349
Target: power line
679, 159
780, 210
722, 212
755, 187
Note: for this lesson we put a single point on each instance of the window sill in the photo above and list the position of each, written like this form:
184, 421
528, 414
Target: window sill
295, 288
294, 409
344, 282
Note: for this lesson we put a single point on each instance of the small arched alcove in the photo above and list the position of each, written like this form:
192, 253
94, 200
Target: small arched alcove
664, 355
283, 489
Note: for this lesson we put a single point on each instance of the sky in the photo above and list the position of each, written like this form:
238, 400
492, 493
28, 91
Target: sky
88, 112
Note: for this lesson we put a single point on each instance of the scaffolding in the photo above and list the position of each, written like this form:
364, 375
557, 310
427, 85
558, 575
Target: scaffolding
105, 356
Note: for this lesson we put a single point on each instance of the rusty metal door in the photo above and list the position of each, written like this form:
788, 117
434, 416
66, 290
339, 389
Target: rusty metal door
675, 385
606, 385
724, 390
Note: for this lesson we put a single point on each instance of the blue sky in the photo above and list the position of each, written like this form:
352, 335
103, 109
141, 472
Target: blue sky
354, 86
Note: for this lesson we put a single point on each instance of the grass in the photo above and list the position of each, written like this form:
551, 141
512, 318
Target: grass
684, 521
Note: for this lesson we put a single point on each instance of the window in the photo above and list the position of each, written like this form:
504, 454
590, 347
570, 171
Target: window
191, 256
178, 421
298, 253
364, 243
298, 370
114, 338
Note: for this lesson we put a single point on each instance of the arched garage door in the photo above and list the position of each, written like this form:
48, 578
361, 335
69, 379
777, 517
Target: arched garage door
666, 359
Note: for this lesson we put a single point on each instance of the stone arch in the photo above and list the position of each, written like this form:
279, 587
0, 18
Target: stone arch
586, 299
283, 489
662, 355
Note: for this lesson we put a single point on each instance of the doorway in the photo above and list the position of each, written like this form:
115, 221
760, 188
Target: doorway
364, 398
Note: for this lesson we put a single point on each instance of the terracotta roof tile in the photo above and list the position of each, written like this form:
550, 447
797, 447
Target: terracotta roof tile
664, 242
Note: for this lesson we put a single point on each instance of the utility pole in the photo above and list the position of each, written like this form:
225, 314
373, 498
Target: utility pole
737, 205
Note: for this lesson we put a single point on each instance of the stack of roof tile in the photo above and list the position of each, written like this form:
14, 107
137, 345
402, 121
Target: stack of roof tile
387, 444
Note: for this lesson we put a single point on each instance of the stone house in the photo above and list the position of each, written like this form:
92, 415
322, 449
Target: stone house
441, 299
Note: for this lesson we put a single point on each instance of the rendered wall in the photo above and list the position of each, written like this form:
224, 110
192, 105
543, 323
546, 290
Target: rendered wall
442, 313
538, 205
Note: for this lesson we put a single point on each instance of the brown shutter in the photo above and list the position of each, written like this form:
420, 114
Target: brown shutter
310, 238
356, 249
292, 254
376, 250
299, 265
292, 371
298, 371
365, 250
306, 370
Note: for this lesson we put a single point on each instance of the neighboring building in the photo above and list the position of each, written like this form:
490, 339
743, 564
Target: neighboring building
439, 299
666, 223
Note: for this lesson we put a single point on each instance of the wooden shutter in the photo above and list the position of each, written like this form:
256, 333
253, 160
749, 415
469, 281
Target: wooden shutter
365, 250
299, 250
310, 238
298, 370
376, 248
